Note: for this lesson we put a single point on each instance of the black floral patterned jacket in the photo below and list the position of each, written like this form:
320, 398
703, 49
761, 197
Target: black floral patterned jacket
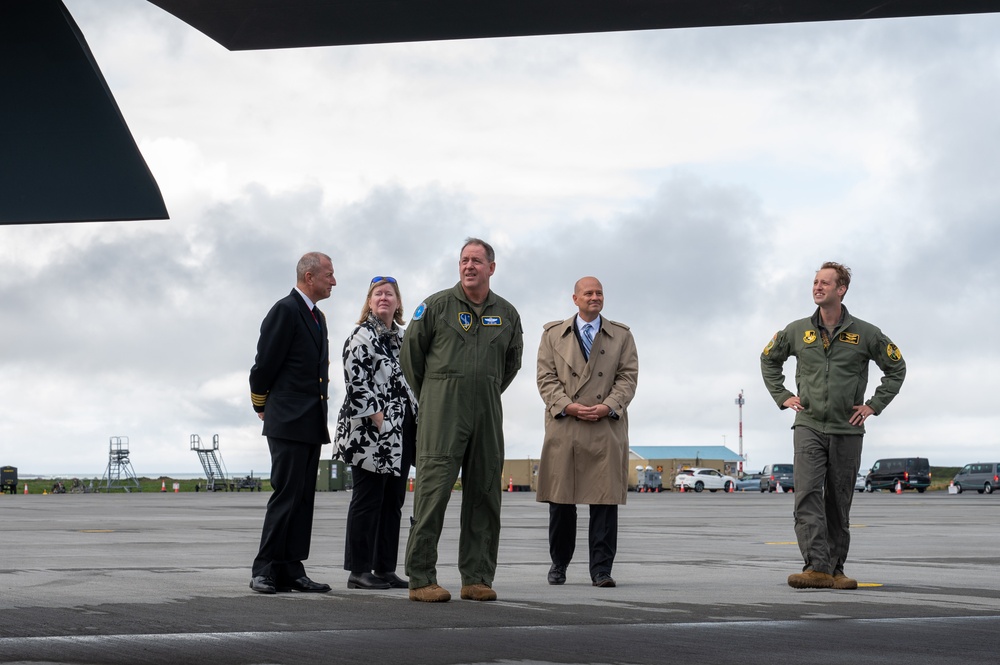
374, 383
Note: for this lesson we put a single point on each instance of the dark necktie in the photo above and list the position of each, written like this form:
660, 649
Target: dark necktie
315, 317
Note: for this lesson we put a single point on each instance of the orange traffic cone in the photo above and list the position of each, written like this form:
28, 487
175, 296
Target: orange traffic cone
777, 488
731, 490
510, 484
899, 487
411, 484
682, 487
26, 488
177, 488
163, 487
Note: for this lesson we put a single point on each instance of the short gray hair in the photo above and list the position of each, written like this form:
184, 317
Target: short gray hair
310, 262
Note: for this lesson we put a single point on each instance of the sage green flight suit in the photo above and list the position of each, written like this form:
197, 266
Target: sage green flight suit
830, 381
458, 362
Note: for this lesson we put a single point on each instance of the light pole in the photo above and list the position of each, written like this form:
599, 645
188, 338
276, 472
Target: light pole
739, 403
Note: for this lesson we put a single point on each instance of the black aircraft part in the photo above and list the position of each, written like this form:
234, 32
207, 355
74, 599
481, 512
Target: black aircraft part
66, 154
267, 24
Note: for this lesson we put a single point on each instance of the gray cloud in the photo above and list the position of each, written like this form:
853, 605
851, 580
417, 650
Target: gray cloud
703, 175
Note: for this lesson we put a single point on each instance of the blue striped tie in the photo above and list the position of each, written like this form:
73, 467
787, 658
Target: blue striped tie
588, 339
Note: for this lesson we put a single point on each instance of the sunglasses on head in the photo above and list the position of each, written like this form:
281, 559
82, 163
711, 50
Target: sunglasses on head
379, 278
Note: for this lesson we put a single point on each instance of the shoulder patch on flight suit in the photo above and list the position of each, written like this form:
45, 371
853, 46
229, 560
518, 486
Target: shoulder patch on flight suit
465, 320
809, 337
419, 312
893, 352
770, 345
491, 321
850, 338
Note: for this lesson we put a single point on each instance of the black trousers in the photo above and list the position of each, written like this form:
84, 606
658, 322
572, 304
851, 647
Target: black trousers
376, 510
287, 531
602, 536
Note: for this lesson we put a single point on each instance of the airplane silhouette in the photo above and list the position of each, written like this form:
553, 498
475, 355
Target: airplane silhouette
66, 154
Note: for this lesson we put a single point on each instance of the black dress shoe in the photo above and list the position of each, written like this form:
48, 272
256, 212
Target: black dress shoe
305, 585
557, 574
262, 584
604, 580
394, 580
365, 581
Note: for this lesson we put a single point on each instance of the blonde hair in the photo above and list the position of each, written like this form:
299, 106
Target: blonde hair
397, 316
843, 274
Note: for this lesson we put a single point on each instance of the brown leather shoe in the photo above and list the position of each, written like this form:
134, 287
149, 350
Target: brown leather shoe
431, 593
478, 592
842, 581
810, 579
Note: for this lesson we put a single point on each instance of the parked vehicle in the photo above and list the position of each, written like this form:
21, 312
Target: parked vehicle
777, 473
911, 473
8, 479
859, 482
750, 482
982, 477
702, 479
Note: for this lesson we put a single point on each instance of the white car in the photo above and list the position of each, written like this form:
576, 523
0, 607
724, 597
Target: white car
703, 479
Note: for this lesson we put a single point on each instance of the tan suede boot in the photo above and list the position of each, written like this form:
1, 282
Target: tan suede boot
478, 592
810, 579
431, 593
842, 581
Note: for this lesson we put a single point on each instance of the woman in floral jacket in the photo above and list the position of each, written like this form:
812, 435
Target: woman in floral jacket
376, 435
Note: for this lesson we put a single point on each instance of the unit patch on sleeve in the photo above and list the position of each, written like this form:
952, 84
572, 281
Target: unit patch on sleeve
850, 338
770, 345
491, 321
419, 312
465, 319
893, 352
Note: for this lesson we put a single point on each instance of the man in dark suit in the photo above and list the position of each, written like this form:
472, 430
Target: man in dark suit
288, 388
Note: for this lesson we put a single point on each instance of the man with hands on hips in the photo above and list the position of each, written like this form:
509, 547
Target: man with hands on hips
833, 351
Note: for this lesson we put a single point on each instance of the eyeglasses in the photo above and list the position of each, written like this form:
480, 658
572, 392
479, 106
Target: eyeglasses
379, 278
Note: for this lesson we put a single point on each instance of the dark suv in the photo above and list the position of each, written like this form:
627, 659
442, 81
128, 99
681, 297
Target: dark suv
777, 473
911, 473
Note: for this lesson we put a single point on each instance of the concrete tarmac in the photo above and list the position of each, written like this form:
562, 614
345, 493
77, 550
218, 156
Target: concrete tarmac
162, 578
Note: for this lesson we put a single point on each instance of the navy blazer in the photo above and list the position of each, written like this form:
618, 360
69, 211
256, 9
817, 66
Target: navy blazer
291, 373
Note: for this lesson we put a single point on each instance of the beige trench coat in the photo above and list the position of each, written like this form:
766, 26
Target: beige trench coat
585, 462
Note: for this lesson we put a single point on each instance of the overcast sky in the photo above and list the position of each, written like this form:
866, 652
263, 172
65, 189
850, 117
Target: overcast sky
702, 174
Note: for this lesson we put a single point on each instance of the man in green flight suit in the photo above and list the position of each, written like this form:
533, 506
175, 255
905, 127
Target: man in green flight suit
460, 352
832, 351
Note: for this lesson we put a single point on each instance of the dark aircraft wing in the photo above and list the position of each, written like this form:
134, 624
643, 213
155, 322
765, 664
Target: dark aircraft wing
267, 24
66, 154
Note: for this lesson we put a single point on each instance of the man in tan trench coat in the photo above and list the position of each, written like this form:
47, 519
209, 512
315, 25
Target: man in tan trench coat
587, 372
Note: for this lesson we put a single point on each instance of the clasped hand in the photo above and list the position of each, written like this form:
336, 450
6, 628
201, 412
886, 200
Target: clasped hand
591, 413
